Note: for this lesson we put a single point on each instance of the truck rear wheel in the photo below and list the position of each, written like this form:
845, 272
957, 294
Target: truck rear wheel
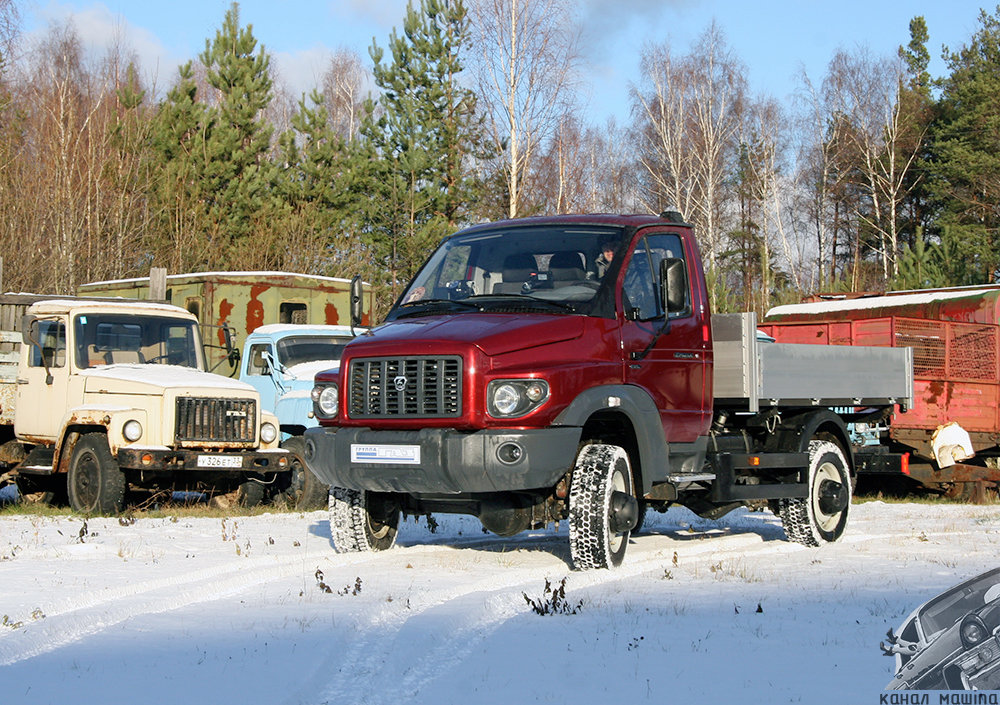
822, 516
362, 521
602, 507
95, 483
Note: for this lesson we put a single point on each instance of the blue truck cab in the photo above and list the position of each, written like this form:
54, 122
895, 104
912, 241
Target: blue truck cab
280, 361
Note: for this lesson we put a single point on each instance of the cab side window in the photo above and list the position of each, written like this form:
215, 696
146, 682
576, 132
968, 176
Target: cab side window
52, 353
641, 289
256, 365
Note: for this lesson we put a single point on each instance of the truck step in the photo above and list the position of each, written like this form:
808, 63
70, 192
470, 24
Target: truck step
702, 477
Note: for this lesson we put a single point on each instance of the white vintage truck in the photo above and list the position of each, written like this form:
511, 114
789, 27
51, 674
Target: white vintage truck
99, 396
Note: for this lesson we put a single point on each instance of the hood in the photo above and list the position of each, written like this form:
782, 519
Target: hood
305, 371
493, 333
154, 379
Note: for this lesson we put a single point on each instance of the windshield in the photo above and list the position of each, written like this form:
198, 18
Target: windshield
946, 609
110, 338
298, 349
551, 268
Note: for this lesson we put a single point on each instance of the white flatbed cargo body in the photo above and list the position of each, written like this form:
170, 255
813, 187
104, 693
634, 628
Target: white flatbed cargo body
751, 374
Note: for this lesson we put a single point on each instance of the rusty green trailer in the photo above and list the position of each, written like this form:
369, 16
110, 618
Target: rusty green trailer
246, 300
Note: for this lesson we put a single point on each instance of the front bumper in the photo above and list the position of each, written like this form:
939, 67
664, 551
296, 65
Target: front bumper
204, 461
450, 462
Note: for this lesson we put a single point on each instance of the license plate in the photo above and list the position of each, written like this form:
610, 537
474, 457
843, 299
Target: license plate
385, 454
220, 461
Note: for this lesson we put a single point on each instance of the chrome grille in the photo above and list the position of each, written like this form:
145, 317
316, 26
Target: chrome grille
216, 420
408, 387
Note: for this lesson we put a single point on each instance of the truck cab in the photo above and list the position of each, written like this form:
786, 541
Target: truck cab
115, 394
280, 361
565, 368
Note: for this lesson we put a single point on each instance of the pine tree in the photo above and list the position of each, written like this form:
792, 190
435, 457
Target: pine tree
916, 113
236, 172
178, 141
422, 137
319, 185
964, 160
916, 57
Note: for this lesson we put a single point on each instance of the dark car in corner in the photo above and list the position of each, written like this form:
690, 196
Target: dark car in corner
951, 642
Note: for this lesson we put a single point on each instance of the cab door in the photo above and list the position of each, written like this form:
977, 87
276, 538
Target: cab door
665, 354
42, 384
261, 375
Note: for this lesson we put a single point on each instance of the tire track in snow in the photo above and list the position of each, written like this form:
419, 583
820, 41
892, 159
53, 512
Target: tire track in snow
372, 668
82, 616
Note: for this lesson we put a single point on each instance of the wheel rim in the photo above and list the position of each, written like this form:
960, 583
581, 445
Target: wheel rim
298, 480
619, 483
826, 472
377, 530
85, 484
378, 517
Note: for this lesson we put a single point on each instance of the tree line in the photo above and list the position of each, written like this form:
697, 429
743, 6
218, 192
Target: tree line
877, 176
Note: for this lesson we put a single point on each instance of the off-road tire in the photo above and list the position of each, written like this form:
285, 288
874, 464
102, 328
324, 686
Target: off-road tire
95, 483
362, 521
305, 491
804, 520
600, 469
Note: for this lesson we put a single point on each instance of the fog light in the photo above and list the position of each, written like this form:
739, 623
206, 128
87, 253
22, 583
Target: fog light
510, 453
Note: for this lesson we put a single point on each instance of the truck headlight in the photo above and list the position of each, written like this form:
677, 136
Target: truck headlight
268, 432
511, 398
325, 397
132, 430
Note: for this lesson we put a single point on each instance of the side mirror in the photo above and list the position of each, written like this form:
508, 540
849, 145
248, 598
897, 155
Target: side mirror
357, 301
227, 339
29, 330
673, 285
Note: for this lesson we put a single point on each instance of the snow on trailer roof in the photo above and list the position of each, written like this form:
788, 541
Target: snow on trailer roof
217, 275
890, 304
64, 304
303, 329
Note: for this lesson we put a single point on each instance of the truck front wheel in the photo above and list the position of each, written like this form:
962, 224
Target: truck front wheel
822, 516
305, 491
362, 521
602, 507
95, 483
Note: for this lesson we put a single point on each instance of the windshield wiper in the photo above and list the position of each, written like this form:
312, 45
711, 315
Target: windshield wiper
415, 308
521, 297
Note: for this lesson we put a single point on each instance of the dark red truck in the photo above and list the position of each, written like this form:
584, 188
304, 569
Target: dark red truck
568, 368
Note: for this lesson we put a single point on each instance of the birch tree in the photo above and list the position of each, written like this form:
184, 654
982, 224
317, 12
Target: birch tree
526, 61
688, 112
865, 91
343, 93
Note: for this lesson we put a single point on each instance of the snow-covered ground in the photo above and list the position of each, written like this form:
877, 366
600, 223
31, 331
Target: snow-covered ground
260, 610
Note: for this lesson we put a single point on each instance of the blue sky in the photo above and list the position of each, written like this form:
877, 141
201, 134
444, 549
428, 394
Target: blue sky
777, 40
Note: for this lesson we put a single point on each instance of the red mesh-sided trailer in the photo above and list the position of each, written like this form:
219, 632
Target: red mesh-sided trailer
956, 341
